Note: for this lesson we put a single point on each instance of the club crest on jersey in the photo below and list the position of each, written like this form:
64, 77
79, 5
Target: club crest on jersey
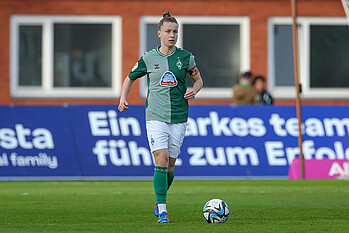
179, 64
168, 79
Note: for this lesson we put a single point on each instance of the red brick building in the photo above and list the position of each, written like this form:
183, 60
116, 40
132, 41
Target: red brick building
79, 51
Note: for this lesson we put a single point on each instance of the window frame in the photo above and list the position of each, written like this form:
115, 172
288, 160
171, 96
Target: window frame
205, 93
47, 89
304, 39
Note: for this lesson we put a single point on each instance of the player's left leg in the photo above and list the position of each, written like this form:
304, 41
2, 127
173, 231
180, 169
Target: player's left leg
175, 141
170, 171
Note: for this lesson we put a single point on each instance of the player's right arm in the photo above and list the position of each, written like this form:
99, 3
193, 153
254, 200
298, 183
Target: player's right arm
138, 71
125, 89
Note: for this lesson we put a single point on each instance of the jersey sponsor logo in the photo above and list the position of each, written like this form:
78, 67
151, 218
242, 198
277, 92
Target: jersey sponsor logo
179, 64
168, 79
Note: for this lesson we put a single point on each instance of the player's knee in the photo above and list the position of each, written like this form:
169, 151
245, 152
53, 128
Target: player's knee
161, 158
161, 161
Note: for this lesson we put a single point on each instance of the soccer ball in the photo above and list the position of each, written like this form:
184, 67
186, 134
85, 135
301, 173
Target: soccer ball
215, 211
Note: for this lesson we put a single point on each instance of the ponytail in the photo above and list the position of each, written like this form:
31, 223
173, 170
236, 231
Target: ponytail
167, 17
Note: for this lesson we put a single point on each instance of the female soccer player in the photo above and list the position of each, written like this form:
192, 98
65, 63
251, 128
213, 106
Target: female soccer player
166, 105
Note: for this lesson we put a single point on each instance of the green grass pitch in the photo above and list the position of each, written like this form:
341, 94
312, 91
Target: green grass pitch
126, 206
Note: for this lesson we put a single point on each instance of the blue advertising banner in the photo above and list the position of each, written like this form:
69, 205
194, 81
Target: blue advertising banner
260, 141
110, 143
221, 141
36, 141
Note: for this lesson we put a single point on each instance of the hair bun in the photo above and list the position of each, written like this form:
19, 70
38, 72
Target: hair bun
166, 14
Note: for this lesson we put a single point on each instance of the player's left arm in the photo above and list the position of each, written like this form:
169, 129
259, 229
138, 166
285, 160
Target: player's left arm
198, 84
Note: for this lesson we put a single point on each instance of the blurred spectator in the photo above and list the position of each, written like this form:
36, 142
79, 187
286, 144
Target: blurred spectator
259, 83
243, 92
78, 68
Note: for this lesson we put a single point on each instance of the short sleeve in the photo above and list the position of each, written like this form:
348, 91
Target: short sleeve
193, 70
139, 70
192, 62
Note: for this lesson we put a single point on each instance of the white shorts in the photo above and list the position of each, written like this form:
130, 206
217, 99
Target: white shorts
163, 135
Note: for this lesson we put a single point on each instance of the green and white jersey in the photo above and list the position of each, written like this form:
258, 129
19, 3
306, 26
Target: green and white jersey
166, 76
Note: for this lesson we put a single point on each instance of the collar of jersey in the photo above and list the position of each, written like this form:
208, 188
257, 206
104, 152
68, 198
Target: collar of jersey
163, 55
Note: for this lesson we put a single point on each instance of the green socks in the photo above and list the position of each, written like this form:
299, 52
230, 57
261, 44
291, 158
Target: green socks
169, 180
160, 184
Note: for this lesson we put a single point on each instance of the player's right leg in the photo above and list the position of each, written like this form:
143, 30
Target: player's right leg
170, 177
176, 134
160, 183
157, 133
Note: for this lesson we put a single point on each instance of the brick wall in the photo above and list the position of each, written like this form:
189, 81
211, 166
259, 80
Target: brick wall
132, 10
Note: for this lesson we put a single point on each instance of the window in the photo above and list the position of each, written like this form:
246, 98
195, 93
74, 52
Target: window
30, 51
283, 60
329, 56
220, 46
65, 56
323, 57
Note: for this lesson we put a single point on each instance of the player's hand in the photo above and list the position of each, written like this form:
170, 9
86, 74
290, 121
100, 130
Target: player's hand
189, 95
123, 105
